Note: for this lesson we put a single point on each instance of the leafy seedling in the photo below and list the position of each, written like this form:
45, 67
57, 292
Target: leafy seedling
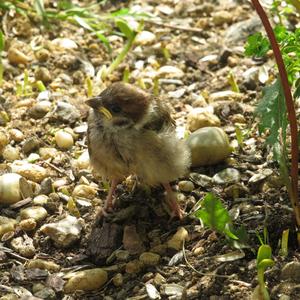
263, 261
215, 216
233, 83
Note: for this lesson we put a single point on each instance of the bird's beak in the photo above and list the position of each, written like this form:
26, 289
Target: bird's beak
105, 112
96, 103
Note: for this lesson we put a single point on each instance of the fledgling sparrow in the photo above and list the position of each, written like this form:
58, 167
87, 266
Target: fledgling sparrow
132, 132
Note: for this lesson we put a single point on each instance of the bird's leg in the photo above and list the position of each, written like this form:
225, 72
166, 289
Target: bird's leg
172, 201
108, 205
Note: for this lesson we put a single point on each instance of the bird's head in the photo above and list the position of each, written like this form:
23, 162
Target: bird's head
121, 104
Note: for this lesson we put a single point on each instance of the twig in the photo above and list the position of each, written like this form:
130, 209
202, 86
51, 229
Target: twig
182, 28
290, 109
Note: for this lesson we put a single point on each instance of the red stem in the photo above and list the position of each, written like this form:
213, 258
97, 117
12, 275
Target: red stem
290, 107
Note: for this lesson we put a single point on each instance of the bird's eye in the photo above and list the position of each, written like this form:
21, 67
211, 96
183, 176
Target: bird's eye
116, 108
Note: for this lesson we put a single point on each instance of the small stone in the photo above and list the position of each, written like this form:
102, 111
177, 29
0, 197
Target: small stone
23, 246
122, 255
63, 232
47, 152
152, 291
64, 140
13, 188
43, 264
30, 145
42, 55
118, 280
173, 289
178, 238
159, 279
16, 135
3, 140
227, 176
15, 56
201, 179
226, 95
30, 171
222, 17
209, 145
86, 280
65, 43
46, 293
67, 113
84, 191
170, 72
145, 38
40, 109
28, 224
82, 162
133, 267
6, 225
149, 259
40, 200
186, 186
38, 213
196, 120
43, 74
11, 153
291, 272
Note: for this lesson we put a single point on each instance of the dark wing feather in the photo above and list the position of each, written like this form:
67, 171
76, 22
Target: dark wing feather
160, 118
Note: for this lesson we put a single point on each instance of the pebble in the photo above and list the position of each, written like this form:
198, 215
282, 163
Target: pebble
3, 140
15, 56
291, 272
64, 140
39, 110
133, 267
186, 186
47, 152
43, 74
29, 171
86, 280
11, 153
16, 135
42, 55
118, 280
6, 225
132, 242
208, 145
66, 113
23, 246
152, 291
82, 162
46, 293
30, 145
178, 238
63, 232
227, 176
38, 213
43, 264
226, 96
170, 72
64, 43
196, 120
12, 187
28, 224
159, 279
222, 17
149, 259
84, 191
145, 38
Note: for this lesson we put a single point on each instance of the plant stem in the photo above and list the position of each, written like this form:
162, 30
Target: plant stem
290, 109
120, 57
262, 285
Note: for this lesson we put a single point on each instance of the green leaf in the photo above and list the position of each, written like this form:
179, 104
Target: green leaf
213, 214
257, 45
272, 112
125, 29
265, 263
83, 23
2, 41
104, 40
264, 252
120, 12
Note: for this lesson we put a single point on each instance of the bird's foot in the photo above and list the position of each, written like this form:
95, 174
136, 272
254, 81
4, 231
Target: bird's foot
171, 197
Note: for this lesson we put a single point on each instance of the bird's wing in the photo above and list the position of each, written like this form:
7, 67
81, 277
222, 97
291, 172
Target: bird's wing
160, 118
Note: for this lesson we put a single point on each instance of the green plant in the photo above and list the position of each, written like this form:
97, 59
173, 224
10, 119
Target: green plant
215, 216
263, 261
276, 110
2, 45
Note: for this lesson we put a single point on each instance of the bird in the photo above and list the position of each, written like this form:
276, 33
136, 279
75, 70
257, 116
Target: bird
131, 132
